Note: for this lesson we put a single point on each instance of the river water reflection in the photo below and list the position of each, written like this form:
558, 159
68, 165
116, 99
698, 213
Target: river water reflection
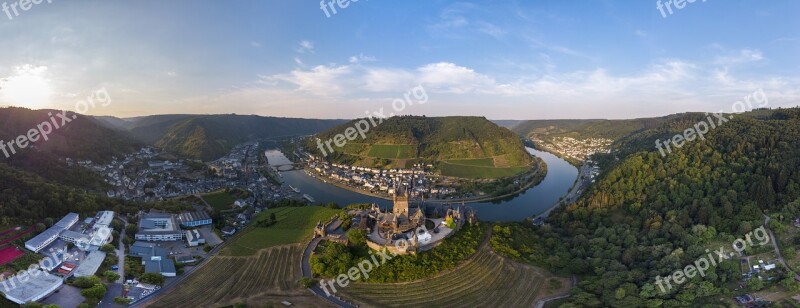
560, 177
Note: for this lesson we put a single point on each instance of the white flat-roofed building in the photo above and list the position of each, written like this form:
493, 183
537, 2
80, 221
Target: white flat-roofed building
39, 242
194, 238
158, 227
91, 264
104, 219
100, 237
79, 239
35, 287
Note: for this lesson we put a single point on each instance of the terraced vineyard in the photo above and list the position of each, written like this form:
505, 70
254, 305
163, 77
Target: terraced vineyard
268, 277
486, 280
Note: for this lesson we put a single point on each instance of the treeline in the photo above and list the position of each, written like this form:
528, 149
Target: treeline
651, 215
333, 259
26, 198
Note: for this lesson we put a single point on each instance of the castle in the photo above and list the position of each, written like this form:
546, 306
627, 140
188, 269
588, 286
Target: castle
408, 229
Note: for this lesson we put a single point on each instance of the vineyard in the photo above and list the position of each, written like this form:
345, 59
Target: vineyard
268, 277
487, 280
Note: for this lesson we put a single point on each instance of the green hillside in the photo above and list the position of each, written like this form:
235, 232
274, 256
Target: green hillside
208, 137
469, 147
651, 215
82, 138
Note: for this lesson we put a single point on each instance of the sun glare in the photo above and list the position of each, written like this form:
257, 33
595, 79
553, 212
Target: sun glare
26, 88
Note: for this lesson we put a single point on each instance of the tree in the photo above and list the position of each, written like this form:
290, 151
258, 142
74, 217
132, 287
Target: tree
306, 282
152, 278
86, 282
116, 225
111, 276
107, 248
131, 229
755, 284
97, 292
356, 237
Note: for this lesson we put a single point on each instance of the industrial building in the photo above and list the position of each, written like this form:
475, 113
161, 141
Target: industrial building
39, 242
194, 238
91, 264
158, 227
194, 219
155, 259
34, 287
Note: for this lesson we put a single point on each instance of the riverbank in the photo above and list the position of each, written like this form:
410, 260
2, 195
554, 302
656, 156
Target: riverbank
582, 182
537, 176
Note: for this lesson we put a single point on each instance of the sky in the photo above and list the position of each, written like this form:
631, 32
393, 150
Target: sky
498, 59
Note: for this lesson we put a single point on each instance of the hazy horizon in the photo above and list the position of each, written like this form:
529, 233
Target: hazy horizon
515, 60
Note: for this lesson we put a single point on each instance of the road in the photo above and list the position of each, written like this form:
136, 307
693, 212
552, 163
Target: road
115, 289
777, 249
306, 270
121, 252
581, 184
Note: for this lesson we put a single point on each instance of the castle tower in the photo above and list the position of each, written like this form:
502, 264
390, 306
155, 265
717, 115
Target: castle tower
400, 205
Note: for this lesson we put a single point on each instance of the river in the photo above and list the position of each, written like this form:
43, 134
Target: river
560, 177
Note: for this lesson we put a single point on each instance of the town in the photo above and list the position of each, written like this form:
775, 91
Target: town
575, 149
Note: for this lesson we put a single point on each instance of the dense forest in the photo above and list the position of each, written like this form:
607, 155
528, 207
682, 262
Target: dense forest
651, 215
208, 137
37, 183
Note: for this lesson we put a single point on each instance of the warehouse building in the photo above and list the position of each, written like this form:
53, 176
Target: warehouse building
34, 287
39, 242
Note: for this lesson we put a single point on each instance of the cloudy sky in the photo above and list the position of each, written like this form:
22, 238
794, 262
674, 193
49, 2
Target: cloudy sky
499, 59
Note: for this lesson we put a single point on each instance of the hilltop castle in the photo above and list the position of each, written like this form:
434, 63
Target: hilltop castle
408, 229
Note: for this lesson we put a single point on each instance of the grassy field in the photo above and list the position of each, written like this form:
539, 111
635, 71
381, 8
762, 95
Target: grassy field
220, 200
487, 280
392, 151
261, 280
480, 162
295, 225
478, 172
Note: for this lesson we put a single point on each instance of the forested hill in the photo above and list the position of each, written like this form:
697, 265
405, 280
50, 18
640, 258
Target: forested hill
81, 138
591, 128
433, 139
209, 137
652, 215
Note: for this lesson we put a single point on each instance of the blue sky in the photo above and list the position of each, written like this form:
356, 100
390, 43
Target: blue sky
499, 59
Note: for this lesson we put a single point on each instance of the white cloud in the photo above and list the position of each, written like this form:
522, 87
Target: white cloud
320, 80
742, 56
361, 58
491, 29
306, 47
255, 44
668, 86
